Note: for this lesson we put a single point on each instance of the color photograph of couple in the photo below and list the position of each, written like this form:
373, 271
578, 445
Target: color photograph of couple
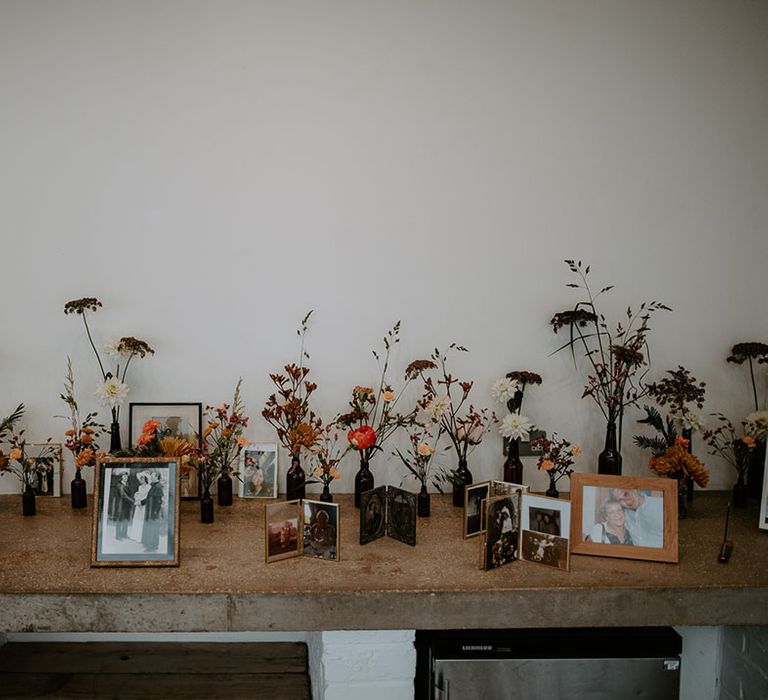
633, 517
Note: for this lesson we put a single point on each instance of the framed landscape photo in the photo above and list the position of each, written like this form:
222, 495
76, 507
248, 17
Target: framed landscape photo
136, 512
321, 530
177, 420
258, 471
624, 516
545, 526
47, 480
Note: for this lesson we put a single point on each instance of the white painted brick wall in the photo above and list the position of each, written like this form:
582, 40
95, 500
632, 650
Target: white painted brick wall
745, 663
375, 665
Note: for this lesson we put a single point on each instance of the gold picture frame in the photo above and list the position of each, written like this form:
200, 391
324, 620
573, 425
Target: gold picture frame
135, 512
628, 517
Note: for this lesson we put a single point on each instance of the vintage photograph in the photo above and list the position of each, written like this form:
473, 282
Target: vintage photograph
542, 548
258, 471
373, 514
633, 517
474, 495
48, 456
282, 530
501, 488
551, 516
136, 513
321, 530
401, 515
499, 545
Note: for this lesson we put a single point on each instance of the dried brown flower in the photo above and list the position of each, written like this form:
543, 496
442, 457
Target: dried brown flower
627, 356
678, 463
741, 352
677, 390
572, 317
134, 346
80, 306
524, 377
417, 367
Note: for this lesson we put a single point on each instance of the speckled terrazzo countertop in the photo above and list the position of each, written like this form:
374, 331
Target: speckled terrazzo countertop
223, 584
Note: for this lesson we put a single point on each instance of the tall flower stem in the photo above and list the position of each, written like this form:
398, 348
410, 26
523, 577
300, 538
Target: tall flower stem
93, 345
754, 386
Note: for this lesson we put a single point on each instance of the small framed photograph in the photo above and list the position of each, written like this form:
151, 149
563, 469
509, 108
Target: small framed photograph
136, 512
321, 530
47, 481
545, 525
373, 514
764, 501
258, 471
177, 420
624, 516
282, 529
474, 495
501, 539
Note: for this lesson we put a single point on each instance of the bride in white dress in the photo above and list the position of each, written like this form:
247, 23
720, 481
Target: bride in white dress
137, 524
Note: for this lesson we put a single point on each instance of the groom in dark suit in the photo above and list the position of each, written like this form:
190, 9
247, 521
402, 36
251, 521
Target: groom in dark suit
150, 535
123, 507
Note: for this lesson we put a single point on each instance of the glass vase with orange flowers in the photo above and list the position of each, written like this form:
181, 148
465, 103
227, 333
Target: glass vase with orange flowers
81, 439
221, 443
724, 441
288, 412
618, 358
327, 456
374, 416
677, 462
556, 459
447, 406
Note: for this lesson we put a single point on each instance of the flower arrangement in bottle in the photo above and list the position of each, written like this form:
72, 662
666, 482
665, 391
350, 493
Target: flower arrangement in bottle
510, 390
222, 440
374, 416
725, 442
677, 462
28, 469
446, 404
113, 390
618, 357
556, 459
327, 456
418, 460
6, 429
288, 412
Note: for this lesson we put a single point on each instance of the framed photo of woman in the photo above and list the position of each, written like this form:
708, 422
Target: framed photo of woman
624, 516
258, 471
136, 512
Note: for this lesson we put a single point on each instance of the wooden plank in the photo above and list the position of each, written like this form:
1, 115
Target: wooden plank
154, 686
139, 657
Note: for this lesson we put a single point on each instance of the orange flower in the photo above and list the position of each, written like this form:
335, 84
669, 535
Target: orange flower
546, 465
85, 458
749, 441
16, 454
319, 471
424, 450
86, 439
388, 395
362, 438
362, 390
207, 431
335, 473
213, 425
151, 426
226, 432
576, 451
87, 430
682, 442
144, 438
70, 433
241, 442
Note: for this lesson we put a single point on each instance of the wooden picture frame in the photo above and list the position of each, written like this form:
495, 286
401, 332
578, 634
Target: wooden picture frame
184, 420
475, 496
763, 522
624, 516
500, 539
282, 531
545, 531
135, 512
47, 485
321, 530
258, 470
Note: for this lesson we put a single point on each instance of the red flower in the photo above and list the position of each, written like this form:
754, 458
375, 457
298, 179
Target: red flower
362, 438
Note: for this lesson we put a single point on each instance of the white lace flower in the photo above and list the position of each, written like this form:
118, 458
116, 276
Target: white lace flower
112, 392
756, 425
516, 427
437, 408
504, 389
111, 347
692, 421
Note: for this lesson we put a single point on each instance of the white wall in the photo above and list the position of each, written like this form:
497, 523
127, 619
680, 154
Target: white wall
212, 170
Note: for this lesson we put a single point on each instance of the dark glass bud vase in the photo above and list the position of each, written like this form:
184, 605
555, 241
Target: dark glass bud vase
326, 496
77, 491
740, 493
513, 467
552, 491
115, 443
422, 503
461, 477
224, 489
688, 435
206, 507
28, 501
363, 480
609, 460
295, 480
756, 471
